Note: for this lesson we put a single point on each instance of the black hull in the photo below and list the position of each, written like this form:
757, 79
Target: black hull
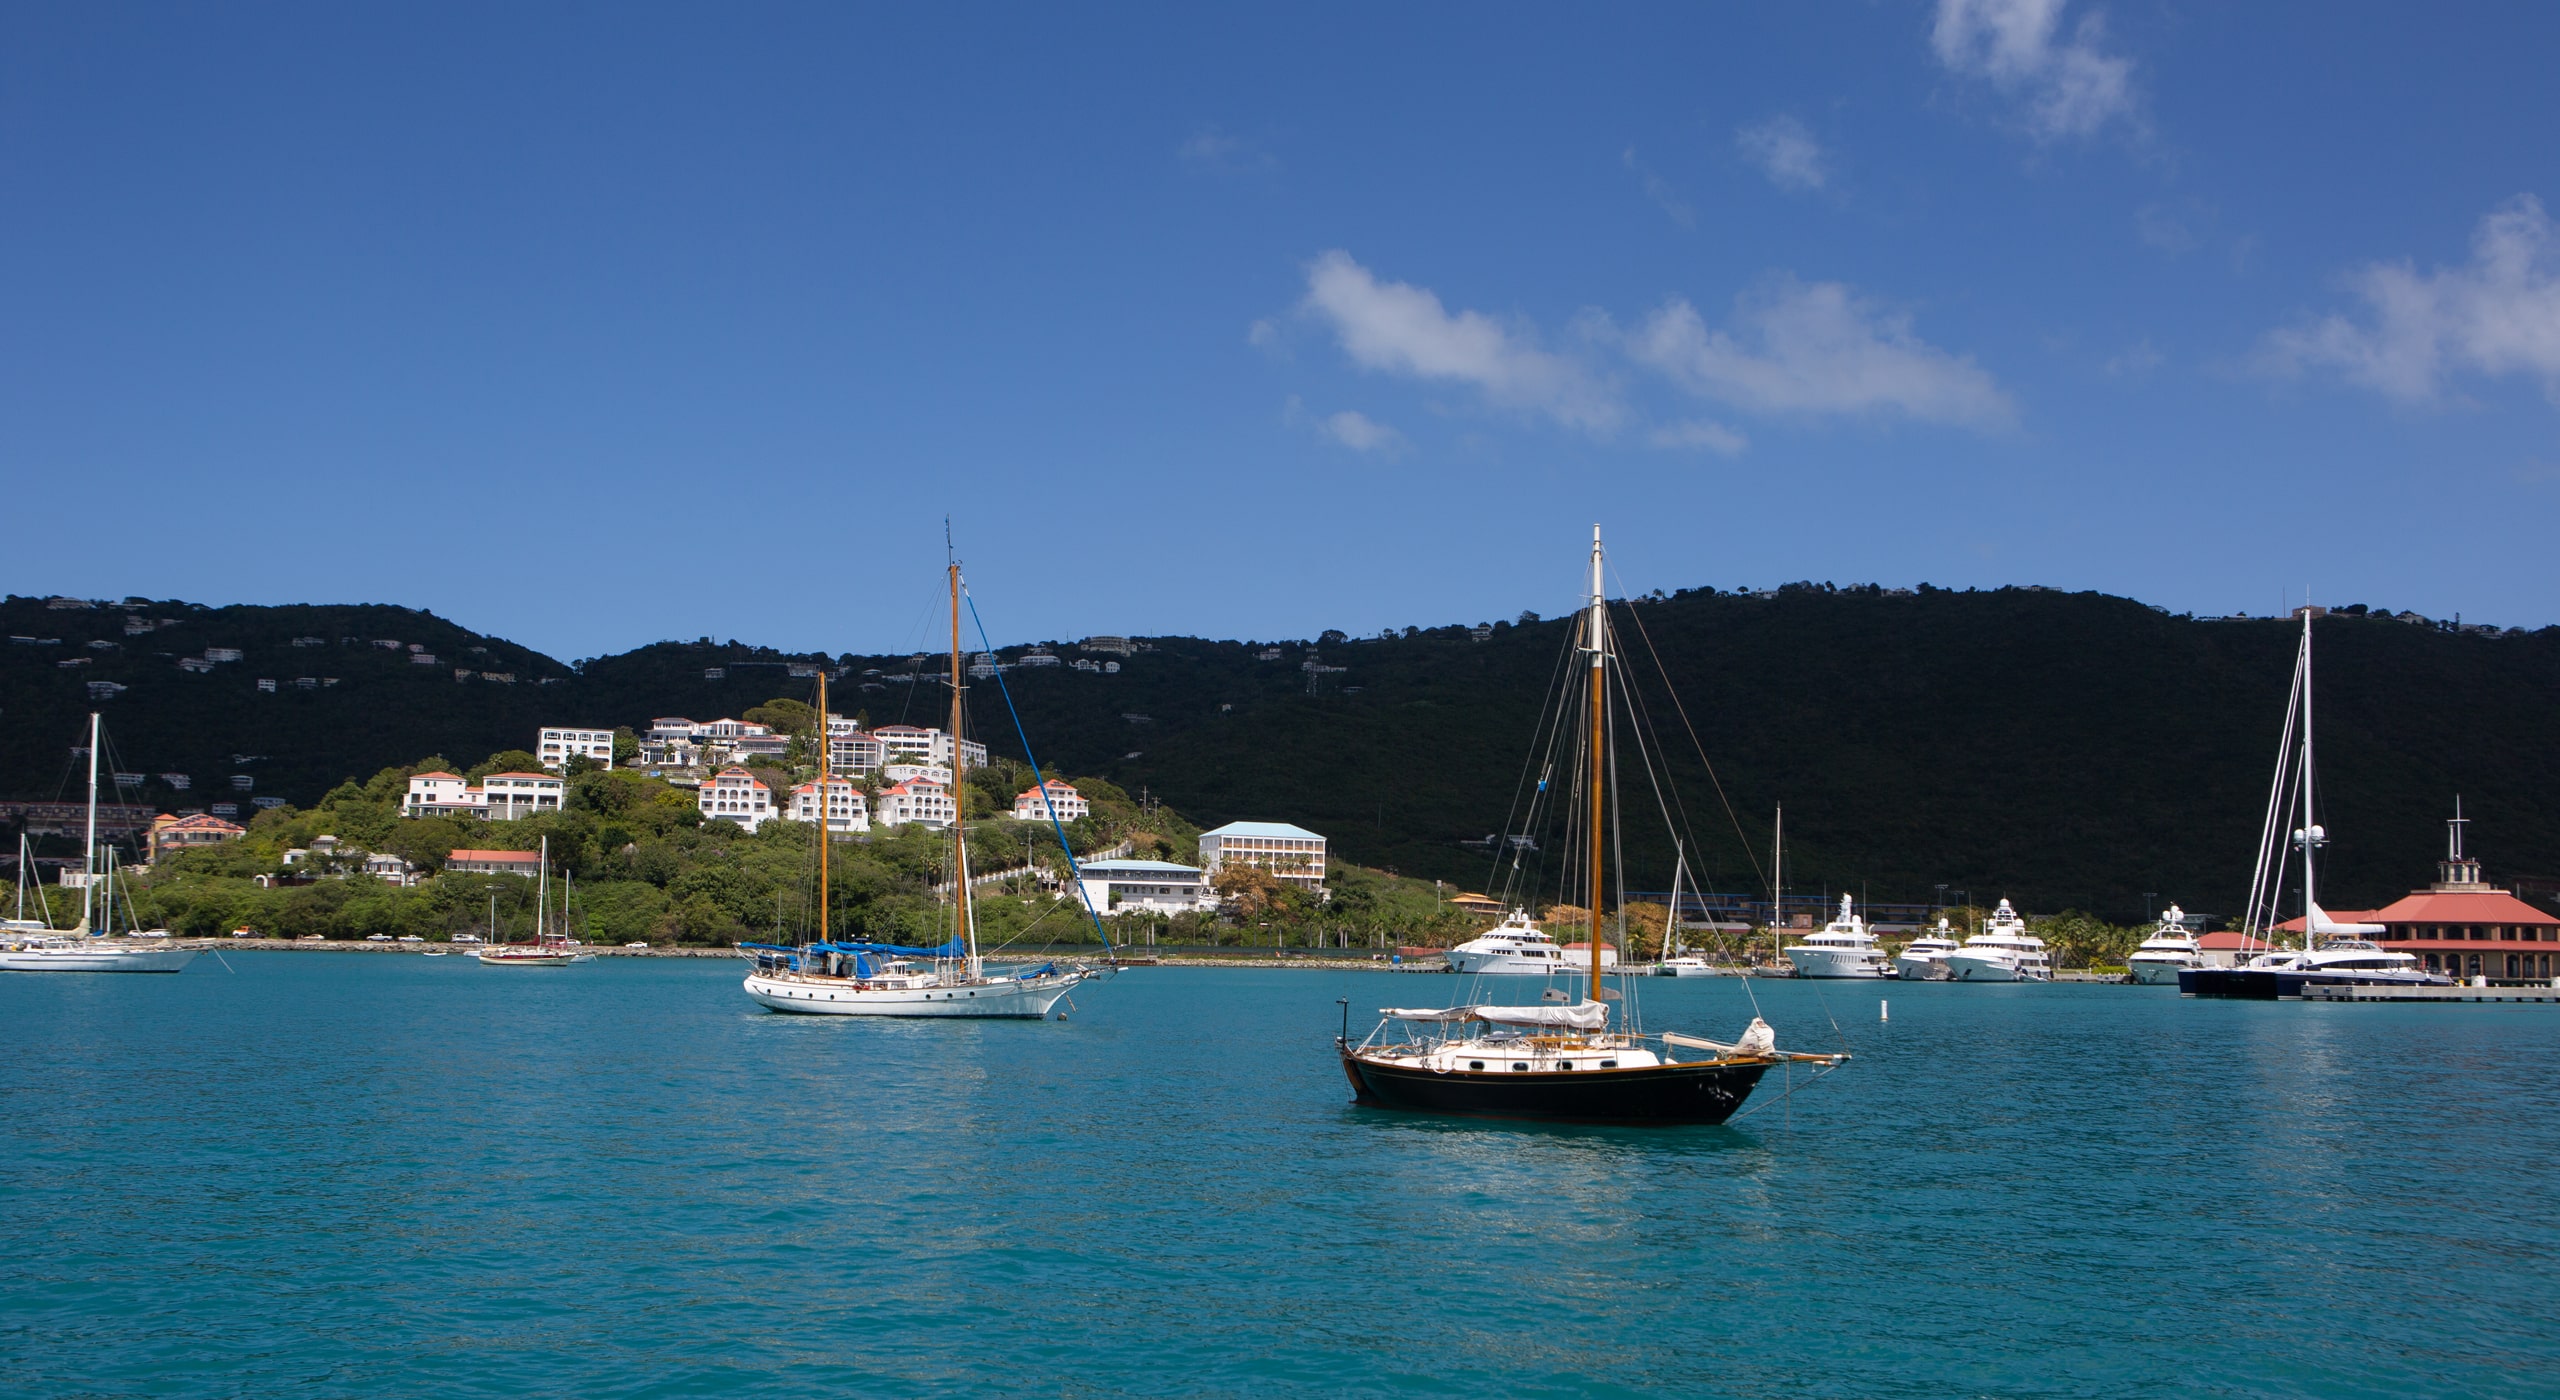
1670, 1094
2253, 984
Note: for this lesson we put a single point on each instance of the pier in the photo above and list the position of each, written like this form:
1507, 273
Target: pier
2511, 996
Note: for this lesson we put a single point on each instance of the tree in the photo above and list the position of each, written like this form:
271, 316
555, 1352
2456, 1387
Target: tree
784, 716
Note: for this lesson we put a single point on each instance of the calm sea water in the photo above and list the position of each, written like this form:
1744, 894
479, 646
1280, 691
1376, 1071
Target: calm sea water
385, 1175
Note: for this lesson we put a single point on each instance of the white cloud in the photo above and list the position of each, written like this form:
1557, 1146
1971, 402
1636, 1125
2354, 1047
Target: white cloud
1262, 334
1784, 150
1211, 148
1813, 347
1362, 433
2136, 360
1699, 433
2497, 314
2071, 86
1399, 328
1659, 190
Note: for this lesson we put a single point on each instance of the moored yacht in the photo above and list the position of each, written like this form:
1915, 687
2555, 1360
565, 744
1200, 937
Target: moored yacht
1843, 947
1924, 959
1514, 947
2002, 952
2170, 950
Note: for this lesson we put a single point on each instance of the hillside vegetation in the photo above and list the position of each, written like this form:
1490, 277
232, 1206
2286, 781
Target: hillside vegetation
2067, 750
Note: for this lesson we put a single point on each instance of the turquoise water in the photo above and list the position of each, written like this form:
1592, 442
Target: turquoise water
388, 1175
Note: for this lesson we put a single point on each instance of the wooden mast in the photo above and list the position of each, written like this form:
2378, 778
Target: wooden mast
826, 838
959, 837
1597, 636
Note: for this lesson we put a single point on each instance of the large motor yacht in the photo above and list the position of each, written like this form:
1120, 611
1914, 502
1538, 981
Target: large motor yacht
2003, 952
1515, 947
2171, 949
1924, 959
1842, 948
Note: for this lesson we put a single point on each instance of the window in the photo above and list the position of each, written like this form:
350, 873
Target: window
1475, 1064
1518, 1065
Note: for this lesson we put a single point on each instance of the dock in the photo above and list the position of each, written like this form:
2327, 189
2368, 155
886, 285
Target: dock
2502, 996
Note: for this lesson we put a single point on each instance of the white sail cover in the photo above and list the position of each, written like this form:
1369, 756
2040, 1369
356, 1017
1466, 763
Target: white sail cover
1757, 1039
1428, 1013
2322, 924
1582, 1016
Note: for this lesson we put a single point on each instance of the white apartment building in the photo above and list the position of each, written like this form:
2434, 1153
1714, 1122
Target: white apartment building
1069, 803
512, 795
721, 731
443, 795
848, 811
919, 800
1155, 886
931, 745
854, 752
1293, 853
674, 727
930, 772
558, 746
735, 795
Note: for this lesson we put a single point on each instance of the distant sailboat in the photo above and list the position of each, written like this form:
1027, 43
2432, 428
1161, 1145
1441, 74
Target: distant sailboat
80, 948
551, 945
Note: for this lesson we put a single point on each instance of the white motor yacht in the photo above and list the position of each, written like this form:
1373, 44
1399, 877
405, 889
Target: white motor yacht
2003, 952
1841, 948
1515, 947
2170, 949
1924, 959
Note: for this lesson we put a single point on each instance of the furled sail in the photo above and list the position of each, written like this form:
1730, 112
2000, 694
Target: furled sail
1581, 1016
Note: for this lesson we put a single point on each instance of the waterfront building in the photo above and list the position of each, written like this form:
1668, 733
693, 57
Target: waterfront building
1035, 804
918, 799
2463, 926
525, 863
557, 746
734, 794
442, 794
180, 833
507, 796
1293, 853
848, 811
1155, 886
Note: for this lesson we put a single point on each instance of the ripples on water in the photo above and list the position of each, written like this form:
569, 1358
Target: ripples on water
393, 1175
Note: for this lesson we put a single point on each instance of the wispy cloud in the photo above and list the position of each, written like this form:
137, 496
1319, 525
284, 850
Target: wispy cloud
1699, 434
1399, 328
1214, 148
1659, 191
2498, 314
2071, 85
2134, 361
1817, 348
1361, 433
1785, 151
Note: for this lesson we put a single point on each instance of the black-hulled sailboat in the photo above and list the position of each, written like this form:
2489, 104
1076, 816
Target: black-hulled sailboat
1561, 1059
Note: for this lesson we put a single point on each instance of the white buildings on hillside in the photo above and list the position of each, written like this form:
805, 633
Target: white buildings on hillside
847, 810
1293, 853
1155, 886
930, 745
557, 746
508, 796
1060, 796
930, 772
736, 795
441, 794
920, 800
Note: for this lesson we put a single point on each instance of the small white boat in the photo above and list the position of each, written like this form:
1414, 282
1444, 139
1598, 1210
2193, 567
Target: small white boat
2002, 952
2170, 949
1924, 959
1843, 948
1515, 947
1687, 965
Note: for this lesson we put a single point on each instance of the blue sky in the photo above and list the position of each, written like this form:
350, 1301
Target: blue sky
592, 325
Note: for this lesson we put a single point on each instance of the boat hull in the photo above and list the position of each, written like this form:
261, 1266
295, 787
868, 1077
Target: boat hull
2276, 984
1839, 963
1681, 967
1656, 1095
1015, 1001
2157, 974
1920, 970
96, 959
500, 959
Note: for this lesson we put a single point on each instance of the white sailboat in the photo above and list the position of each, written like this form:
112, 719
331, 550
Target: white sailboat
1842, 948
1676, 963
832, 977
2002, 952
2171, 949
551, 945
79, 949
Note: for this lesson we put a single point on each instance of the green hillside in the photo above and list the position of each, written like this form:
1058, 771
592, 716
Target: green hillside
2068, 750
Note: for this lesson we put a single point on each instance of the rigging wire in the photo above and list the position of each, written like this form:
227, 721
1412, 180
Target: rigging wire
1075, 870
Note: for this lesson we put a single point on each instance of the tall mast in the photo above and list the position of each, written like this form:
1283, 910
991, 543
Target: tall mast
1597, 634
959, 804
2311, 834
1777, 880
89, 850
826, 798
542, 894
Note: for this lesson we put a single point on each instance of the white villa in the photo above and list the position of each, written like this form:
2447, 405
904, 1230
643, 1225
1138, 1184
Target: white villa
930, 772
441, 794
736, 795
919, 799
557, 746
498, 797
1032, 807
1156, 886
848, 811
930, 745
1293, 853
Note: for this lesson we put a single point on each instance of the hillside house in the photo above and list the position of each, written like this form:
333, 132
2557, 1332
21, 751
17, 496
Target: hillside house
525, 863
556, 747
181, 833
1292, 853
848, 811
512, 795
919, 799
1153, 886
1035, 804
735, 795
442, 794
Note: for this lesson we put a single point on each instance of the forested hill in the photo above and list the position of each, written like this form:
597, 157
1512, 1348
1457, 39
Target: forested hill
2068, 750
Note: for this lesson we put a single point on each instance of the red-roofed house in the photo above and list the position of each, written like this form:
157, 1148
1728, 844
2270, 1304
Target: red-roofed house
2462, 926
493, 863
848, 811
1032, 806
735, 795
178, 833
441, 794
920, 800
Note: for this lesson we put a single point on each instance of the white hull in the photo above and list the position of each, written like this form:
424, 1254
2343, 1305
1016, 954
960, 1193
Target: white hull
1928, 969
2162, 972
493, 957
1967, 967
1504, 964
96, 959
1839, 962
1029, 1000
1688, 967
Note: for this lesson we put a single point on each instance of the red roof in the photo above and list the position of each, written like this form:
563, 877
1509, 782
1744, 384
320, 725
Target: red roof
2461, 907
499, 857
2228, 939
552, 776
439, 773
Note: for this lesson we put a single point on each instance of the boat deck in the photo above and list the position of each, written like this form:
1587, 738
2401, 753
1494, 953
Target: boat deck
2509, 996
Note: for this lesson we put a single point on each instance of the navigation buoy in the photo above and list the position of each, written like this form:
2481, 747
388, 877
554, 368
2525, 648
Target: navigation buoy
1884, 1009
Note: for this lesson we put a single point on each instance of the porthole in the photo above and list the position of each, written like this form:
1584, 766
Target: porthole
1475, 1064
1566, 1065
1519, 1065
1608, 1064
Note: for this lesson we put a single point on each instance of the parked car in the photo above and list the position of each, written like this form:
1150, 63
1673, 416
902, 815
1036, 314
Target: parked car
638, 943
411, 938
385, 938
242, 933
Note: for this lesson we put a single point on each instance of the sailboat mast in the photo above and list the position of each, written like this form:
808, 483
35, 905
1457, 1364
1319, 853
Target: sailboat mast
89, 849
2310, 833
1598, 635
542, 894
1777, 879
959, 802
826, 798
